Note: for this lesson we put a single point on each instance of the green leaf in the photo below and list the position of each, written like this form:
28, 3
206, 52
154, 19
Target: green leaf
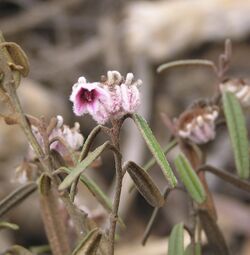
176, 240
17, 250
94, 189
155, 149
145, 184
236, 124
16, 197
5, 224
89, 245
190, 179
193, 249
76, 172
41, 249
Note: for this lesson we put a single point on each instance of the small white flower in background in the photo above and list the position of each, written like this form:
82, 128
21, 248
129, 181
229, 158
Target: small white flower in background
240, 88
71, 136
111, 98
198, 125
26, 172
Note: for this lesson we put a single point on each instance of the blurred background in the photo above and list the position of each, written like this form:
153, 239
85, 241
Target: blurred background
65, 39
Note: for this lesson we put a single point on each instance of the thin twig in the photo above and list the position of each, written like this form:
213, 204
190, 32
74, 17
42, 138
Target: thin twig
237, 182
187, 62
16, 197
149, 227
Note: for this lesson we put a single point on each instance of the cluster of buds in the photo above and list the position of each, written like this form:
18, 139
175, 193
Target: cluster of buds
71, 136
111, 98
240, 88
198, 124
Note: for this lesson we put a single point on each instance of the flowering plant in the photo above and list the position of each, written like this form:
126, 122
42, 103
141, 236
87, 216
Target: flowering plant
59, 155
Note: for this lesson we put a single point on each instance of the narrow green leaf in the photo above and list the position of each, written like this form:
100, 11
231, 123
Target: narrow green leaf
76, 172
5, 224
17, 250
148, 166
155, 149
16, 197
193, 249
213, 233
236, 124
145, 184
41, 249
176, 240
89, 245
100, 196
94, 189
190, 179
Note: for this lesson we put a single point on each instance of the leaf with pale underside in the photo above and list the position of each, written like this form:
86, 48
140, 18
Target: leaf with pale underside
236, 124
176, 240
155, 149
144, 184
190, 179
76, 172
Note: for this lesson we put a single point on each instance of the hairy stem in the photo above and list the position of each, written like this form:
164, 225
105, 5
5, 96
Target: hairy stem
118, 184
54, 226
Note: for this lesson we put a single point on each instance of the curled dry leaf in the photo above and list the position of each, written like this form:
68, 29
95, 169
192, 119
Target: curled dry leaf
44, 184
19, 58
145, 184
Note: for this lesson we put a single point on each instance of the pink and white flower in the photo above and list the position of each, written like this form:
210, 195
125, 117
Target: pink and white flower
72, 137
130, 94
125, 95
90, 98
110, 99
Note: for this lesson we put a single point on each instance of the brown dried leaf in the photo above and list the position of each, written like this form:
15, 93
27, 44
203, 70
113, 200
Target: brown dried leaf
145, 184
213, 233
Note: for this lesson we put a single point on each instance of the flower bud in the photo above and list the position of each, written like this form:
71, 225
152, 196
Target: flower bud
240, 88
198, 124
